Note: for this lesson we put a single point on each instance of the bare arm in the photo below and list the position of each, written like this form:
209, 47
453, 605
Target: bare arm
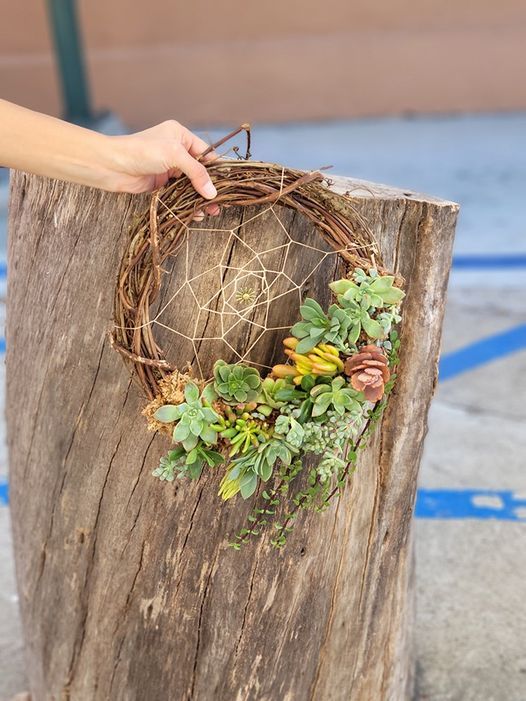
140, 162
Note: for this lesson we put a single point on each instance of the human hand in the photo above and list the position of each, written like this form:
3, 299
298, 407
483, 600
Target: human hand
148, 159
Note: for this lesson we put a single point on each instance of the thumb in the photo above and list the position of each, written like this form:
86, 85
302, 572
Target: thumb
197, 174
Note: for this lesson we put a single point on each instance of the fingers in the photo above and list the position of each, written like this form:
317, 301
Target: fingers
197, 146
212, 209
196, 172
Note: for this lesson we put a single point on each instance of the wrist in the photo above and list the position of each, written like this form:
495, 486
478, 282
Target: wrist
119, 160
95, 162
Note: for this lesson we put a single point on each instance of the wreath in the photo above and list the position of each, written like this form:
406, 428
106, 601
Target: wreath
310, 414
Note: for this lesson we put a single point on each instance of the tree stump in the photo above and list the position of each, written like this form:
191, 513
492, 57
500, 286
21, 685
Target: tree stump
127, 590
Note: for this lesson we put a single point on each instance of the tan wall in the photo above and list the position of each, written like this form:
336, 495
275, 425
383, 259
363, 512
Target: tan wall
228, 61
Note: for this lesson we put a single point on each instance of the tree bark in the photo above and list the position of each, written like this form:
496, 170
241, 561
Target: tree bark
127, 590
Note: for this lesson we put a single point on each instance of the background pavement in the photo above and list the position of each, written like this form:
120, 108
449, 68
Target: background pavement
471, 509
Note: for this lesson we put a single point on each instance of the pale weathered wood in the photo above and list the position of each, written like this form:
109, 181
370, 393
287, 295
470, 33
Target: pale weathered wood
126, 588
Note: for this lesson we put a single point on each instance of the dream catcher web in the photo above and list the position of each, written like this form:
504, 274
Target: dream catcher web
190, 293
228, 287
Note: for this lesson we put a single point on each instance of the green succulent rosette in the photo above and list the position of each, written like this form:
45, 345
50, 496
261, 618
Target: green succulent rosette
236, 384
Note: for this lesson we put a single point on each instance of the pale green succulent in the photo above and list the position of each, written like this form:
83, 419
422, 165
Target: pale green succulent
290, 429
169, 464
245, 434
338, 395
258, 463
318, 327
193, 419
329, 465
268, 398
363, 298
373, 290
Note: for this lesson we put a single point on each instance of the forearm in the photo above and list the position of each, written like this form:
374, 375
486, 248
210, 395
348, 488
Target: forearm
138, 162
43, 145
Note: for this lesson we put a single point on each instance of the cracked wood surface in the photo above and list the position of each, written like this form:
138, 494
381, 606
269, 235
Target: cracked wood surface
127, 591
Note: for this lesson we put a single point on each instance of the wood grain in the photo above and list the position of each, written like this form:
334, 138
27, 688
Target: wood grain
126, 588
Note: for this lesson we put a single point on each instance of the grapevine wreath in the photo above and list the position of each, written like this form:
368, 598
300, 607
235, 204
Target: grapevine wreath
320, 402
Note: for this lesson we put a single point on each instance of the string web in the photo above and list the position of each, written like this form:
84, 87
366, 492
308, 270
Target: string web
234, 293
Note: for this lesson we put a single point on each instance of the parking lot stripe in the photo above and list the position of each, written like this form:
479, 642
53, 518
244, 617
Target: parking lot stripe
479, 504
481, 352
442, 504
4, 492
489, 262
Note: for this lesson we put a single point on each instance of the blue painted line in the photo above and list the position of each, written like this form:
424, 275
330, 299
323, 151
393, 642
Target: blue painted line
440, 504
3, 270
488, 262
481, 352
470, 504
2, 345
4, 492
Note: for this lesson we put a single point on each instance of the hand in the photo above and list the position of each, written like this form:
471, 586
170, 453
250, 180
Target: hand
146, 160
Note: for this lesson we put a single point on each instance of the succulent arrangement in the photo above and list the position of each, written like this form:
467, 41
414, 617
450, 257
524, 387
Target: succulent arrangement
322, 402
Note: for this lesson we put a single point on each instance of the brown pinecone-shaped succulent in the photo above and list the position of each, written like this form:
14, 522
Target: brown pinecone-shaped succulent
368, 372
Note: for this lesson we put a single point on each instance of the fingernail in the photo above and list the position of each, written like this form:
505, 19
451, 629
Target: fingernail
209, 190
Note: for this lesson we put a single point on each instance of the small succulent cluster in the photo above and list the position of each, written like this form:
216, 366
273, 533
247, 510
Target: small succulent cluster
321, 402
